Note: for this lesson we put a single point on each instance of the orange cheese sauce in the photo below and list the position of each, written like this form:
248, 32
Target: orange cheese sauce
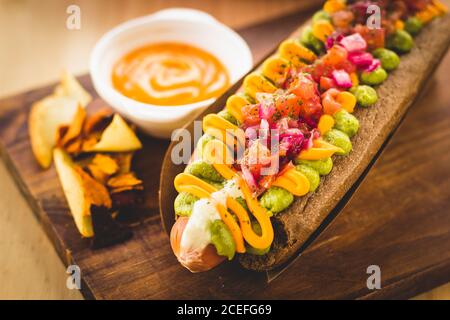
170, 74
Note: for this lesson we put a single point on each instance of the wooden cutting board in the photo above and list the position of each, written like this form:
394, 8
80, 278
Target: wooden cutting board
398, 219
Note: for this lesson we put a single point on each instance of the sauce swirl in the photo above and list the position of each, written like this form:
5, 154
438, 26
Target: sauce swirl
169, 74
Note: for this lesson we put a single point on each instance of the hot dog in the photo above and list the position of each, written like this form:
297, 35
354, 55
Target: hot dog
329, 98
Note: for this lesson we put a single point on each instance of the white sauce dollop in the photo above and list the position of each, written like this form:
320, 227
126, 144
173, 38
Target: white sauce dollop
197, 235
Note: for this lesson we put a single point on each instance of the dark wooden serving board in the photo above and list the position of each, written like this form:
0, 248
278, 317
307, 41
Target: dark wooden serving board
398, 219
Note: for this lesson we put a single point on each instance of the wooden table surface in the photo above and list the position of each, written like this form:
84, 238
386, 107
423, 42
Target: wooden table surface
29, 267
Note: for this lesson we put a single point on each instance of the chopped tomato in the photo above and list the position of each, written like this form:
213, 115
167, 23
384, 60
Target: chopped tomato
304, 87
288, 106
320, 69
335, 56
330, 105
311, 109
251, 114
374, 37
347, 66
326, 83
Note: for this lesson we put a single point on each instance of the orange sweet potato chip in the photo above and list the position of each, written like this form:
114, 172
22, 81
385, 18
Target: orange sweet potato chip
98, 174
127, 188
74, 146
74, 130
118, 136
95, 192
98, 121
101, 132
106, 163
102, 167
124, 159
89, 142
124, 180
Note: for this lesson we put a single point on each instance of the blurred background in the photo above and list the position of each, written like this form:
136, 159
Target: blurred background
35, 46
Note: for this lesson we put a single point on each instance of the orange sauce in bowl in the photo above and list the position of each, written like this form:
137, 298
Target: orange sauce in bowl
170, 74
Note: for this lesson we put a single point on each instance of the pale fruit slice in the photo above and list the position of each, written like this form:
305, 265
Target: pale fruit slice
72, 185
45, 118
70, 87
117, 137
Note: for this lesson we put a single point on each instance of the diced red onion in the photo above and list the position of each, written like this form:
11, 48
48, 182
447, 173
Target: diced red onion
292, 123
333, 39
283, 124
283, 147
342, 78
250, 133
266, 111
308, 143
248, 177
292, 132
308, 121
315, 133
294, 145
373, 66
264, 125
264, 130
329, 43
354, 43
360, 59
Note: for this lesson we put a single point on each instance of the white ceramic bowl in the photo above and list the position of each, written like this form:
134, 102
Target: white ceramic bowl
172, 25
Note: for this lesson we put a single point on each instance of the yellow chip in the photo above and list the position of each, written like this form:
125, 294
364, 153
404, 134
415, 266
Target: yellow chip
72, 185
46, 116
117, 137
70, 87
